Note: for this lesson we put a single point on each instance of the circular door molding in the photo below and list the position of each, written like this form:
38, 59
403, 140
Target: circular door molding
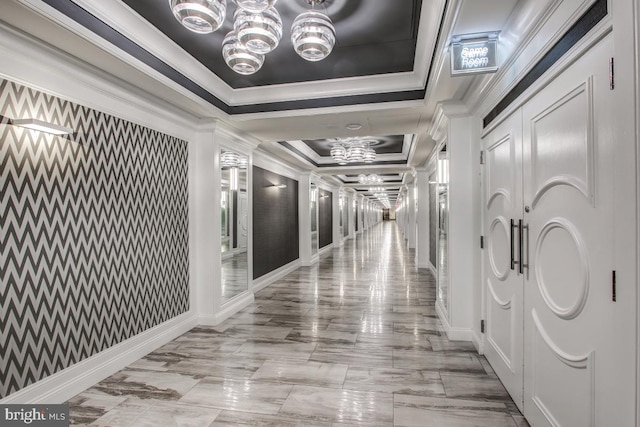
498, 223
582, 282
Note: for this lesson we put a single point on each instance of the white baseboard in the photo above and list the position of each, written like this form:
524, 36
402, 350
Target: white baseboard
228, 310
453, 333
433, 269
63, 385
264, 281
478, 342
459, 334
325, 250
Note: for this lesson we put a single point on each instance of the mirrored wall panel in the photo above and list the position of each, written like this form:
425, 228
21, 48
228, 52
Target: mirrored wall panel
342, 222
443, 228
234, 205
314, 218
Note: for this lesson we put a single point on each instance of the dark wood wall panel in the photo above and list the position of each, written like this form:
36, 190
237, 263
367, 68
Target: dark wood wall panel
275, 222
356, 216
325, 218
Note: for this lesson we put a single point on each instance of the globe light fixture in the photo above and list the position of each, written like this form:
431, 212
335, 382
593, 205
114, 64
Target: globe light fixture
255, 6
372, 179
257, 30
239, 58
229, 159
339, 154
353, 150
313, 34
200, 16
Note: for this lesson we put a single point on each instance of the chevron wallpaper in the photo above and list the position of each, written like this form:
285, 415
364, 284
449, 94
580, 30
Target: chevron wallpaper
93, 234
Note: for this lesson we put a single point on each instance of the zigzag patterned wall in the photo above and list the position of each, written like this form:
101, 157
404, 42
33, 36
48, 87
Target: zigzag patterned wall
93, 234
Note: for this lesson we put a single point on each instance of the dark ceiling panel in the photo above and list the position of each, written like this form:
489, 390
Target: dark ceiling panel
373, 37
347, 14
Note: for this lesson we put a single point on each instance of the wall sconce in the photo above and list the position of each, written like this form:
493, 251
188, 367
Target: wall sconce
281, 186
42, 126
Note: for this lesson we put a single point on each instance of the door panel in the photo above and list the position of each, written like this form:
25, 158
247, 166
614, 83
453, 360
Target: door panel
554, 335
503, 195
568, 187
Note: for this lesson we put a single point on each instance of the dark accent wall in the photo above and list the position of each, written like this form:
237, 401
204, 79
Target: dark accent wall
94, 234
234, 197
325, 214
433, 219
275, 222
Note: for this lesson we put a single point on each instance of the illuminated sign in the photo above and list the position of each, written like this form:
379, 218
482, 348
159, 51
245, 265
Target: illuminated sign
474, 56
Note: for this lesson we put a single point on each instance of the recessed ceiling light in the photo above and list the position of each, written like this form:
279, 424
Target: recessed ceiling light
354, 126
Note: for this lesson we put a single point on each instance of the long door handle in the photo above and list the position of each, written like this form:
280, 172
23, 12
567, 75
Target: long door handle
513, 246
521, 228
524, 264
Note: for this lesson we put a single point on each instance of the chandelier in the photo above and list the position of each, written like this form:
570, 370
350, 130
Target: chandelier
257, 30
369, 179
353, 150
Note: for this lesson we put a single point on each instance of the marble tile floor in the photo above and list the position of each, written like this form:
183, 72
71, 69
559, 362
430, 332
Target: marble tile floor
351, 341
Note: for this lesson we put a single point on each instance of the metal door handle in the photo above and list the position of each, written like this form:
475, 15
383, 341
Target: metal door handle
523, 264
521, 228
513, 249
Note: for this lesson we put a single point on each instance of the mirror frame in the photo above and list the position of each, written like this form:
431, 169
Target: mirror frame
249, 250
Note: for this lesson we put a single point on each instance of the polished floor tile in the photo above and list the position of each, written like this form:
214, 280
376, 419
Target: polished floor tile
238, 395
309, 373
166, 415
418, 411
474, 386
352, 341
404, 381
339, 405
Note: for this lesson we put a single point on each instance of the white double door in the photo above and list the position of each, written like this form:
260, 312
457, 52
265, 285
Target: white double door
549, 260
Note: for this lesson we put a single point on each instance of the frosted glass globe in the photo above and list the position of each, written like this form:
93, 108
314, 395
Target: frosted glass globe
200, 16
313, 35
239, 58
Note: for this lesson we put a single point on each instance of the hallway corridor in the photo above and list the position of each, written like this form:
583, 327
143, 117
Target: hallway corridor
351, 341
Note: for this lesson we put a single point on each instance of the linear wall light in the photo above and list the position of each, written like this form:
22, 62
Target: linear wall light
233, 178
42, 126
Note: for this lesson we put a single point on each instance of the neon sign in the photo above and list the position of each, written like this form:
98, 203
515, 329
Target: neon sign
473, 57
